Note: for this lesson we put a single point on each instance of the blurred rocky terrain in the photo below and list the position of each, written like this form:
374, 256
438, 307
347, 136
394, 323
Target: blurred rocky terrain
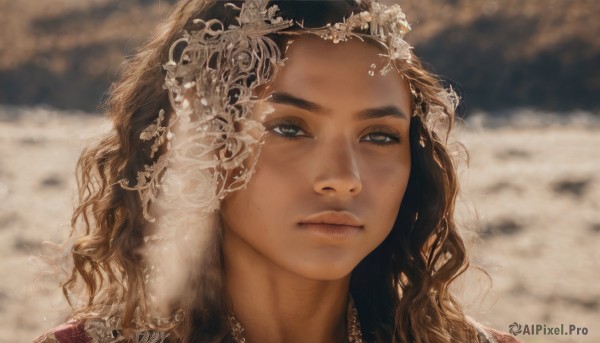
512, 53
501, 54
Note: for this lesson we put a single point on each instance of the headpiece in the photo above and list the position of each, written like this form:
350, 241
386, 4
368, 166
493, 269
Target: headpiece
211, 77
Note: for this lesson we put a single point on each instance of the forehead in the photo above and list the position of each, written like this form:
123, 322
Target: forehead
329, 73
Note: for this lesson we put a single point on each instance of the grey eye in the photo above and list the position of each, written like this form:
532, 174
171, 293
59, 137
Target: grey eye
382, 138
288, 130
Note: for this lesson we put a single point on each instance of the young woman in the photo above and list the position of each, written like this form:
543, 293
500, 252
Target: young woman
277, 172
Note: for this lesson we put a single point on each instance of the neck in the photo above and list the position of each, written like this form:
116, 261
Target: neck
275, 305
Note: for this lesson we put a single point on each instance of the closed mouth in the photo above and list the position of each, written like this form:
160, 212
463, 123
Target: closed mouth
334, 219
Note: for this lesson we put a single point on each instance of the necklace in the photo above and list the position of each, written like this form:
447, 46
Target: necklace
353, 324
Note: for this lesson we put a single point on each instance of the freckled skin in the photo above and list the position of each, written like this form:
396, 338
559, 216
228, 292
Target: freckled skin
329, 169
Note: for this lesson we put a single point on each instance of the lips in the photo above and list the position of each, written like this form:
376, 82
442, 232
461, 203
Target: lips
339, 218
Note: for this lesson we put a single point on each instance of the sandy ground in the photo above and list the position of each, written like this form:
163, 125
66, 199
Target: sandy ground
533, 193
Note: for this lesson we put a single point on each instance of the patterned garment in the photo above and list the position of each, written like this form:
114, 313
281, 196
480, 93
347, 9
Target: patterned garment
66, 333
93, 332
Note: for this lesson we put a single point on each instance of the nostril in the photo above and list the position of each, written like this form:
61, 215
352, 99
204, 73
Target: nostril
337, 173
338, 186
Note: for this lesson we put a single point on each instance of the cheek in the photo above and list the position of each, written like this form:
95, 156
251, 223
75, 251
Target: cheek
276, 177
266, 198
392, 185
280, 178
385, 185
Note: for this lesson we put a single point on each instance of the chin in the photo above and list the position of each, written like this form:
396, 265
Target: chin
325, 269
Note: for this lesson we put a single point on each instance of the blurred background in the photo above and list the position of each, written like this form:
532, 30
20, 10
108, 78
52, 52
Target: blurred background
529, 76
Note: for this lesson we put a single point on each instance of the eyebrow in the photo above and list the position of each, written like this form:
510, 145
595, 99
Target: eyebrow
369, 113
288, 99
379, 112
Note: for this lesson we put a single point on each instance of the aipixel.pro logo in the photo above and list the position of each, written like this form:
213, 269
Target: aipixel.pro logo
543, 329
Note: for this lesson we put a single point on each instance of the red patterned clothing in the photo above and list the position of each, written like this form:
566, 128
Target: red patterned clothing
66, 333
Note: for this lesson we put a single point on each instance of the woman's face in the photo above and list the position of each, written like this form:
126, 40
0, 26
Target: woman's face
336, 152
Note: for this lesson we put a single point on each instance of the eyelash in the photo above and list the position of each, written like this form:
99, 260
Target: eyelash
391, 138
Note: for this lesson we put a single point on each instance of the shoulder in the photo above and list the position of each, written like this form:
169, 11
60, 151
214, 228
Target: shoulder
72, 332
487, 334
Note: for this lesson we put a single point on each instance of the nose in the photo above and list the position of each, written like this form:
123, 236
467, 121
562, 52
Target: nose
337, 169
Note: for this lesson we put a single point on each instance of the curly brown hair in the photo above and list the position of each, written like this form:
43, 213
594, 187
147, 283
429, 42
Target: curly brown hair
400, 289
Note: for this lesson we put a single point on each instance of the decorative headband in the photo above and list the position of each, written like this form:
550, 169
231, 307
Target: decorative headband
211, 76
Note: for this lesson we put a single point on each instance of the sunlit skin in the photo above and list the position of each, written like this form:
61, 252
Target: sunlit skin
337, 140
